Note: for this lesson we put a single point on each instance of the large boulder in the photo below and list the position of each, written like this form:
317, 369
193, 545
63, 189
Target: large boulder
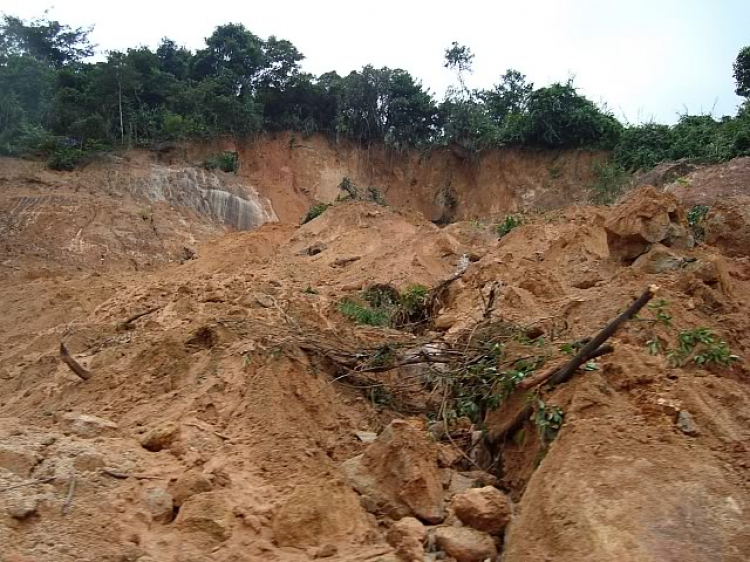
611, 491
486, 509
314, 514
728, 226
398, 474
465, 544
643, 219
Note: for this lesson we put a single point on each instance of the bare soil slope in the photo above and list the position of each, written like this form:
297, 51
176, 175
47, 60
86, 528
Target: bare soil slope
227, 422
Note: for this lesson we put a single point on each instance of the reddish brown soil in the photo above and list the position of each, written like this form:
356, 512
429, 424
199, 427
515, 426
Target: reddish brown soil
220, 407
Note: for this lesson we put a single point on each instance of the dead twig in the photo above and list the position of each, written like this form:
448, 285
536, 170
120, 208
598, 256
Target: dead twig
31, 483
71, 492
74, 365
124, 475
127, 324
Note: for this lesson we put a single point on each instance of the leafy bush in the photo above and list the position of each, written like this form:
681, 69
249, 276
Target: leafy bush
315, 211
610, 179
349, 188
64, 159
697, 221
228, 162
509, 223
376, 196
705, 348
384, 305
363, 314
644, 146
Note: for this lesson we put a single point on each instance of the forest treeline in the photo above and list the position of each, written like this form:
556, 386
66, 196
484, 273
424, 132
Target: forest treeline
55, 103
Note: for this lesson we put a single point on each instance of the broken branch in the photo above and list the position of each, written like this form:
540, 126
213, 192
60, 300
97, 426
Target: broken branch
607, 332
74, 365
127, 324
71, 491
31, 483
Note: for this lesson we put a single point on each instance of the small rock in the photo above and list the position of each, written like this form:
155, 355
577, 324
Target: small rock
485, 509
22, 509
686, 424
366, 436
160, 437
266, 301
344, 261
160, 504
188, 485
89, 462
326, 551
315, 249
407, 537
465, 544
86, 426
206, 514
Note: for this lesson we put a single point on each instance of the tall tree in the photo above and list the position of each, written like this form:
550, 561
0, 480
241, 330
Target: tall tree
45, 40
742, 73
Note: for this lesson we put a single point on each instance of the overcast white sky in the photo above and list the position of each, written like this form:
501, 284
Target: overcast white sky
644, 58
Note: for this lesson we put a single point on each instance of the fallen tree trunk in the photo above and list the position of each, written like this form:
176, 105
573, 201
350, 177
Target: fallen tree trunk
593, 348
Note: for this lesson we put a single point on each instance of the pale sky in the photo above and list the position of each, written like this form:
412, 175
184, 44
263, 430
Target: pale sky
645, 58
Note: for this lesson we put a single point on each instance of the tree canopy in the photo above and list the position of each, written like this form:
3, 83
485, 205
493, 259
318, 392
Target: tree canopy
52, 96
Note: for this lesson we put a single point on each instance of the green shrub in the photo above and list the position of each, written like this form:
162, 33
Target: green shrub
376, 196
228, 162
697, 221
349, 188
315, 211
64, 159
363, 314
610, 180
384, 305
705, 348
509, 223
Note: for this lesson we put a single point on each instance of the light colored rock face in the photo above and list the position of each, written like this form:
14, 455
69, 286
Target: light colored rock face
645, 218
486, 509
316, 514
465, 544
398, 474
223, 198
629, 499
407, 537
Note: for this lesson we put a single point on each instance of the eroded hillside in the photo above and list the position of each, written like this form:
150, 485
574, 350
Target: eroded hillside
238, 410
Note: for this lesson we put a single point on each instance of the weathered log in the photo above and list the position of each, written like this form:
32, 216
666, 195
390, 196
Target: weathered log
607, 332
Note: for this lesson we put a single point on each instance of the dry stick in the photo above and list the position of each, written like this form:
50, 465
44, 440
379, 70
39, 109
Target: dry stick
126, 324
74, 365
32, 483
540, 378
71, 491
